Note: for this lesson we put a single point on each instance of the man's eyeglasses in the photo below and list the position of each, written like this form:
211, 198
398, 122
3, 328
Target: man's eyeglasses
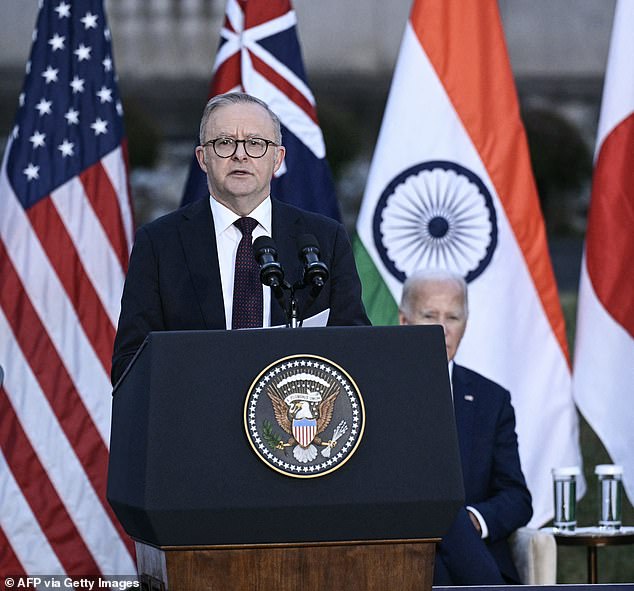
225, 147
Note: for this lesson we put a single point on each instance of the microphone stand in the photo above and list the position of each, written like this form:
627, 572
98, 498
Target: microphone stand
293, 311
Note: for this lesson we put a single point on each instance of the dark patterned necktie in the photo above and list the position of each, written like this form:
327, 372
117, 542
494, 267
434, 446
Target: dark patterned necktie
247, 288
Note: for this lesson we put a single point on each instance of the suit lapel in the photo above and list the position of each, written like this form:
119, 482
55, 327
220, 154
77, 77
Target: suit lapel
198, 238
285, 229
464, 408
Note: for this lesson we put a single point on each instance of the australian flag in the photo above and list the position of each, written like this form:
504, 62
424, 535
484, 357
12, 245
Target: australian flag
259, 53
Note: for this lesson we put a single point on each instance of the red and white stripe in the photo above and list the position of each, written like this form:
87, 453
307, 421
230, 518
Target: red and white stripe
62, 264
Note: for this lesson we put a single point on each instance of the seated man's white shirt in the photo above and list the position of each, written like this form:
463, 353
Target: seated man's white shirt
228, 237
475, 512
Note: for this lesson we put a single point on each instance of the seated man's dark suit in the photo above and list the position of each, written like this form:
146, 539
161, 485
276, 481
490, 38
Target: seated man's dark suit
493, 481
173, 281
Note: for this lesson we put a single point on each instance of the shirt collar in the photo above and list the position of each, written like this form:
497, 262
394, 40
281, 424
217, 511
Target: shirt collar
450, 365
224, 217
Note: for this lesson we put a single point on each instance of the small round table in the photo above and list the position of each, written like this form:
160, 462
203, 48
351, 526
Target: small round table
593, 538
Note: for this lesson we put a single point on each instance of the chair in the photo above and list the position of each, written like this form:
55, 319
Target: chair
535, 555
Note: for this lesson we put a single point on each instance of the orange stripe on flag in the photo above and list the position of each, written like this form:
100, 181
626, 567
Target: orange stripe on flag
475, 71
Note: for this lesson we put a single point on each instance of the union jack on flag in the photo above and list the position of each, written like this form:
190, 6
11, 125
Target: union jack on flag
259, 53
65, 235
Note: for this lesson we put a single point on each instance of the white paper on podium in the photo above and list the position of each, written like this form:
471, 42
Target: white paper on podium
319, 319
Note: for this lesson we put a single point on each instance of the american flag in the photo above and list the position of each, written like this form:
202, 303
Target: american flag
65, 234
259, 53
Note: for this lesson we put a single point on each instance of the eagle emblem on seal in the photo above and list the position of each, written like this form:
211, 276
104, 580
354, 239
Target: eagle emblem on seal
303, 404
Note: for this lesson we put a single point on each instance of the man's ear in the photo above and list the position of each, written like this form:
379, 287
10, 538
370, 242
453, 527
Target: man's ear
200, 157
279, 158
401, 318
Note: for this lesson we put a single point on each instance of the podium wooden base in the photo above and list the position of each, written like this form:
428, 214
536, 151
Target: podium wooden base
382, 565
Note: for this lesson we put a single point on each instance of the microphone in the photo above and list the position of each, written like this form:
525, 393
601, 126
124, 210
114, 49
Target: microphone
271, 272
315, 271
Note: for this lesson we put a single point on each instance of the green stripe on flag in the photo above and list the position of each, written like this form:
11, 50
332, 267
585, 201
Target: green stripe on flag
377, 298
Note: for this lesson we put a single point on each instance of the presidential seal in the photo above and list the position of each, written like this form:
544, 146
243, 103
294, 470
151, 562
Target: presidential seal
304, 416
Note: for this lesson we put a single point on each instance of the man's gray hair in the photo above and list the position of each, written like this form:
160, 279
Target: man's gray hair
238, 98
419, 278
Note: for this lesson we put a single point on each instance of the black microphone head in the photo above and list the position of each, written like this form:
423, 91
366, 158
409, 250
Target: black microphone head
307, 242
265, 252
264, 244
315, 271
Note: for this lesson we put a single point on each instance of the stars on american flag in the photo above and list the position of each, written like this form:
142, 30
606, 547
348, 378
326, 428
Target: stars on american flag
83, 52
50, 74
37, 139
72, 116
63, 10
105, 95
70, 109
32, 171
57, 42
66, 148
90, 21
44, 107
99, 126
77, 84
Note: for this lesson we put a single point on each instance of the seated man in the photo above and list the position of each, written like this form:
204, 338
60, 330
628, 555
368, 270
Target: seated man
475, 550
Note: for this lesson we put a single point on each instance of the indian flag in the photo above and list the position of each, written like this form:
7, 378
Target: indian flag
451, 186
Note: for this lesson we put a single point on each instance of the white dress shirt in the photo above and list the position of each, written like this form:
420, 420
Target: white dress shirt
228, 237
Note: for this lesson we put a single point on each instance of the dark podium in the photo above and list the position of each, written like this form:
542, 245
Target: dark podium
208, 513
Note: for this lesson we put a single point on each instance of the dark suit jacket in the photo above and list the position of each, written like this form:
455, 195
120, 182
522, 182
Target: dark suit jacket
173, 281
493, 479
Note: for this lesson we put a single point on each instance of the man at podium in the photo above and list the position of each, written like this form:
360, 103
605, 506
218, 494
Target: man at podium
475, 550
195, 268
